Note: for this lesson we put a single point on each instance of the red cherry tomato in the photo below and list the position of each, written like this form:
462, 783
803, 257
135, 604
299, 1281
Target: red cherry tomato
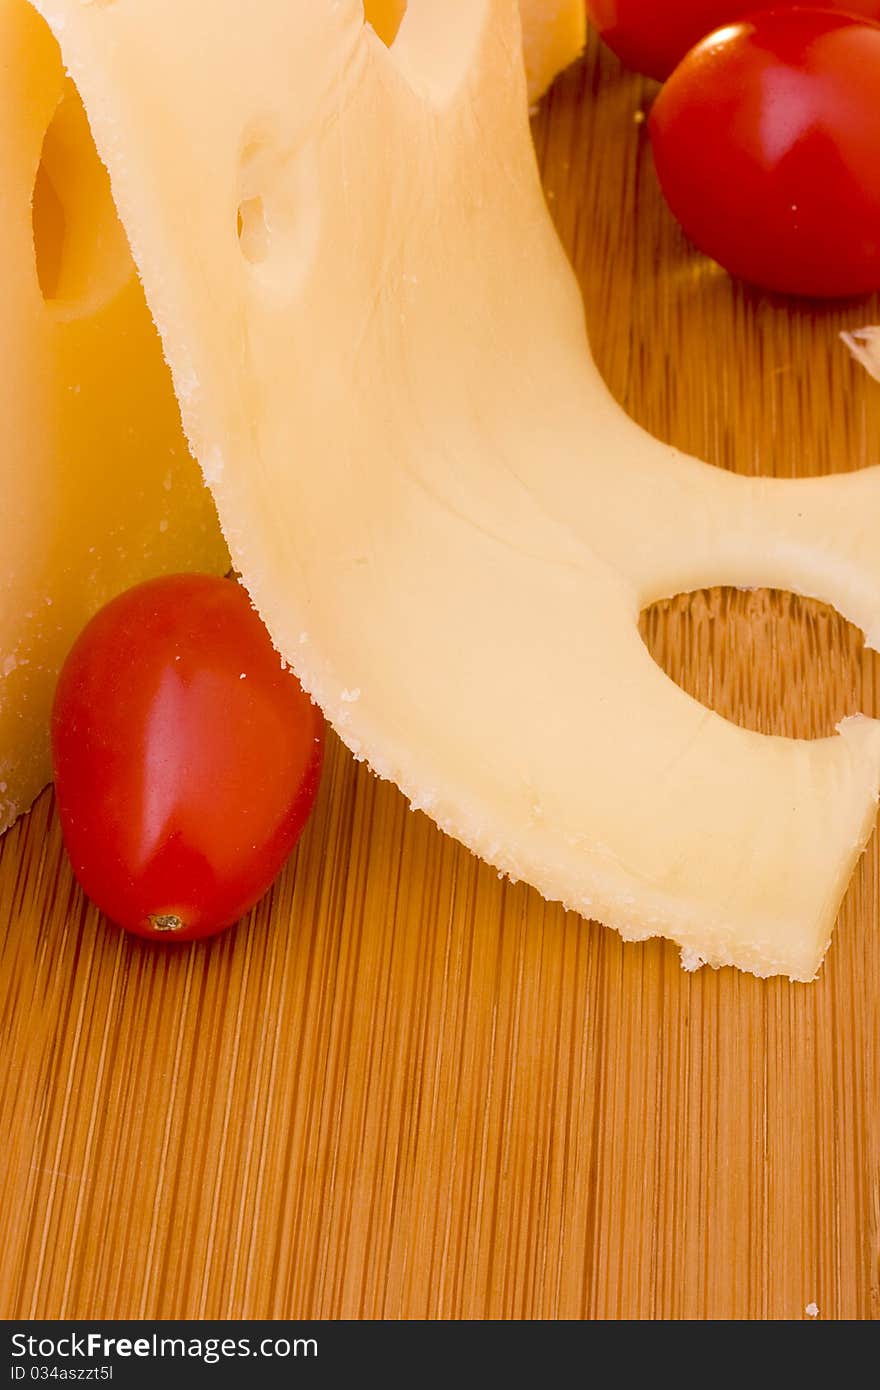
653, 36
766, 140
186, 759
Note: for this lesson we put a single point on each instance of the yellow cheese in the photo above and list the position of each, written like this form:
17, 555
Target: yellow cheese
446, 522
97, 483
553, 34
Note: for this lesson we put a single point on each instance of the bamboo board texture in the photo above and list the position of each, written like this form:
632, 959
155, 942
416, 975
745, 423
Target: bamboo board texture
403, 1088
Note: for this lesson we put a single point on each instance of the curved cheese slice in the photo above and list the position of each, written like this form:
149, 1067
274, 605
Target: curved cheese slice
446, 522
98, 487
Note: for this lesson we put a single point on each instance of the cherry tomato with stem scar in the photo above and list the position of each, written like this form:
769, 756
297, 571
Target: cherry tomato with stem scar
186, 759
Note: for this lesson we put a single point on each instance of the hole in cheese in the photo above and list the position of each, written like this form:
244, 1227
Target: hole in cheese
770, 661
554, 33
385, 17
277, 210
49, 232
80, 249
253, 233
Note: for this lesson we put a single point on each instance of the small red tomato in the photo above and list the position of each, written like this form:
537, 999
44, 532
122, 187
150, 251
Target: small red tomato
766, 141
186, 759
653, 36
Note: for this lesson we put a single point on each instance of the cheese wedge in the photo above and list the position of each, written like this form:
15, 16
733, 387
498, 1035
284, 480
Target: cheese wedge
553, 31
446, 522
98, 487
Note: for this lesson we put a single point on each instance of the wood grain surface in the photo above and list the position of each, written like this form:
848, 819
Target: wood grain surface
403, 1088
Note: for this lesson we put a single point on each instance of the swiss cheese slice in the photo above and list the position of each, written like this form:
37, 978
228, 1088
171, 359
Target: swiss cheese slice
446, 522
98, 487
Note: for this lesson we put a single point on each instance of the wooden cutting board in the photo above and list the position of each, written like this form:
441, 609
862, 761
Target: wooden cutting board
403, 1088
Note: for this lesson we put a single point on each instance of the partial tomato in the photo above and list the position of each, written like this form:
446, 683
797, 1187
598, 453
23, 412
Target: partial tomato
766, 140
653, 36
186, 759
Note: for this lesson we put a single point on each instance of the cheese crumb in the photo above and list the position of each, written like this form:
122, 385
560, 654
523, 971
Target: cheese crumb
864, 344
812, 1310
691, 960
